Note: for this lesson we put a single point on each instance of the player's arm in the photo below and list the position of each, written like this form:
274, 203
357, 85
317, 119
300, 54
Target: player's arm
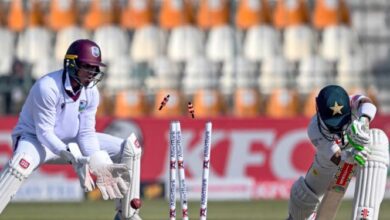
44, 115
87, 138
362, 106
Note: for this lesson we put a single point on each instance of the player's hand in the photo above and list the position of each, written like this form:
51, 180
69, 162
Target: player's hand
80, 165
110, 177
358, 133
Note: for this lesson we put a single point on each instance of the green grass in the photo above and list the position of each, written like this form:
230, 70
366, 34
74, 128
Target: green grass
158, 209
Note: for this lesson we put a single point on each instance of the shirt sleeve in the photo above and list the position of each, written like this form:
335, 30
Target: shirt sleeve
87, 137
44, 116
363, 106
326, 148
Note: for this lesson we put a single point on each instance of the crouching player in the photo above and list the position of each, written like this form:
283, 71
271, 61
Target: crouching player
59, 112
340, 132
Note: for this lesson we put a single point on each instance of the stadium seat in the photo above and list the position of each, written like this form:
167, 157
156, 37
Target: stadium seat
276, 72
34, 39
352, 72
7, 52
65, 36
42, 67
175, 13
148, 43
121, 75
16, 19
137, 14
261, 42
173, 108
130, 103
238, 72
100, 13
247, 102
35, 14
185, 43
166, 75
199, 73
62, 14
208, 103
212, 13
329, 13
222, 43
290, 13
299, 42
113, 42
338, 41
309, 103
282, 103
313, 72
251, 13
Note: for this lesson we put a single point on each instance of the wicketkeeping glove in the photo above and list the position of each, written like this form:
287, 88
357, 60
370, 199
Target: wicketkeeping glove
358, 136
80, 165
109, 176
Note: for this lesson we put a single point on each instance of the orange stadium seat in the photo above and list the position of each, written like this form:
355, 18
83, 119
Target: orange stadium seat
136, 14
174, 106
252, 12
105, 104
175, 13
207, 103
100, 13
289, 13
282, 103
62, 14
247, 102
130, 103
309, 105
35, 16
330, 12
16, 19
212, 13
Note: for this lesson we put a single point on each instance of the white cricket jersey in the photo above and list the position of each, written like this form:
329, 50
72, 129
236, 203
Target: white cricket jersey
51, 115
328, 148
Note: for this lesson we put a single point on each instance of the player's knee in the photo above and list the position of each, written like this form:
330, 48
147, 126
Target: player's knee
303, 201
21, 165
379, 146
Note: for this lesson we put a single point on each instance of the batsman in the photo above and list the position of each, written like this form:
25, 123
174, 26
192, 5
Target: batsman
345, 144
57, 125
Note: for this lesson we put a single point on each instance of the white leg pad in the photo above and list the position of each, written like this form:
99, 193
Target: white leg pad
371, 179
131, 156
12, 177
303, 201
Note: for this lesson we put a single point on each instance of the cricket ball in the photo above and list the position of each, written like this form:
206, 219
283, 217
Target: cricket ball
136, 203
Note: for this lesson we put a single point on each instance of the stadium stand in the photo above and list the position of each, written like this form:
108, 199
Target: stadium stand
136, 14
62, 14
251, 13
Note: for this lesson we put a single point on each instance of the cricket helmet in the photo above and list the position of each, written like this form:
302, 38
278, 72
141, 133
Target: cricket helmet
84, 51
333, 108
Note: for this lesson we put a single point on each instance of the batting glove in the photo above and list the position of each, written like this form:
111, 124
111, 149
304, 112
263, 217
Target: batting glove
358, 136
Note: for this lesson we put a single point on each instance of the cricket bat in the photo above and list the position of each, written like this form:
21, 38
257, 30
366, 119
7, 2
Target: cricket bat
338, 186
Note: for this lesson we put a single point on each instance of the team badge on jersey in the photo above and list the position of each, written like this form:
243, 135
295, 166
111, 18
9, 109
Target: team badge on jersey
83, 105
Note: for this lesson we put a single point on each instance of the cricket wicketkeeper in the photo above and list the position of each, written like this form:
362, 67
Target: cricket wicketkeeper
340, 132
57, 124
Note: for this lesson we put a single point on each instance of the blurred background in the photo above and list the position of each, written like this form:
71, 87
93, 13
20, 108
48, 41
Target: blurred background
252, 67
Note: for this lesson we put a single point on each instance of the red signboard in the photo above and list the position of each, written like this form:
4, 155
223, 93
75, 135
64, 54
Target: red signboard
265, 150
